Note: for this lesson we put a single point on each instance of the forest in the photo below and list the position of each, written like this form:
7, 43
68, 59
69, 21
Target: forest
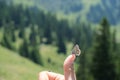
25, 30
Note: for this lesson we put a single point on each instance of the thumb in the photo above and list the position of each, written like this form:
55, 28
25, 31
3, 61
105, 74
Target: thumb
69, 73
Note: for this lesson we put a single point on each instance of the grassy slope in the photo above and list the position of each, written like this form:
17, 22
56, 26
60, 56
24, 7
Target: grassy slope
15, 67
50, 52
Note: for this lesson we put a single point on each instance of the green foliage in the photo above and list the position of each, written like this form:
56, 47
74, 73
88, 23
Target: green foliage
22, 32
80, 36
48, 25
32, 37
81, 71
8, 37
77, 35
12, 31
35, 55
32, 54
102, 66
115, 50
114, 45
23, 21
24, 49
61, 45
117, 58
6, 42
48, 35
16, 22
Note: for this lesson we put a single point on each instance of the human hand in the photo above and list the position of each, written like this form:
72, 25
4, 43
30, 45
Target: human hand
69, 73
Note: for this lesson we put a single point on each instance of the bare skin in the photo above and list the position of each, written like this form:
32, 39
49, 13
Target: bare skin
68, 67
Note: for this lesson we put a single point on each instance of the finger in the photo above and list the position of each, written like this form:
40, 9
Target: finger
45, 75
55, 76
68, 63
69, 68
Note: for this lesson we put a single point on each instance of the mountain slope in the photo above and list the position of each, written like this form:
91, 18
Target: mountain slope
83, 9
107, 8
14, 67
80, 10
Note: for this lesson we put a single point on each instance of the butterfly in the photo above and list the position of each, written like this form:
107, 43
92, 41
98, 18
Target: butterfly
76, 50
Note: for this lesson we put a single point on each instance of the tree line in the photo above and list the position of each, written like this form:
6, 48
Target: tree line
44, 29
103, 56
31, 27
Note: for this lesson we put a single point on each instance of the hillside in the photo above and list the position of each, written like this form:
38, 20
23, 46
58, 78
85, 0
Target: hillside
41, 38
15, 67
79, 10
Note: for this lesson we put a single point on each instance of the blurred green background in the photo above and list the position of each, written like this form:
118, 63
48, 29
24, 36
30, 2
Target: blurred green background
37, 35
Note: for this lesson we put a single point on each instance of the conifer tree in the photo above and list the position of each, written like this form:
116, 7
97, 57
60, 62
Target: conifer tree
61, 44
77, 35
6, 42
81, 71
32, 38
114, 46
80, 39
48, 34
22, 32
24, 51
103, 67
13, 38
116, 54
35, 55
12, 31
